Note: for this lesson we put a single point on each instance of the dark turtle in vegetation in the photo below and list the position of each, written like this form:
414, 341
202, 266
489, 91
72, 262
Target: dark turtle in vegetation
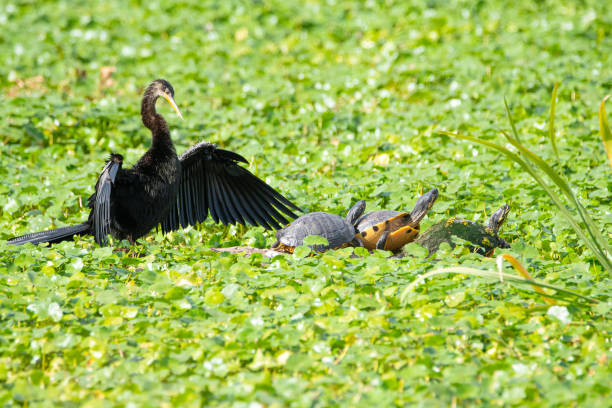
339, 232
484, 238
391, 230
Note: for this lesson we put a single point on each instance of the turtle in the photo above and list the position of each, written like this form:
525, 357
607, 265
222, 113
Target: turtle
391, 230
339, 232
484, 238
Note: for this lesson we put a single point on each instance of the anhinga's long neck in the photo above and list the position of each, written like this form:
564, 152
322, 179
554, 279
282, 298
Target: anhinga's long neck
154, 121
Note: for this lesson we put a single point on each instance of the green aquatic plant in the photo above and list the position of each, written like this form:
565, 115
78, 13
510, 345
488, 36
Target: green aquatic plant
538, 169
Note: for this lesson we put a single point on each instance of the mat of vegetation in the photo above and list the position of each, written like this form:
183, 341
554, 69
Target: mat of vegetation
331, 101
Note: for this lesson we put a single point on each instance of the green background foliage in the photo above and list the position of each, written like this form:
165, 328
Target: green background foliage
331, 101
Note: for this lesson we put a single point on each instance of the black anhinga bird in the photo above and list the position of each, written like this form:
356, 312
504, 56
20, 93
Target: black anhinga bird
163, 188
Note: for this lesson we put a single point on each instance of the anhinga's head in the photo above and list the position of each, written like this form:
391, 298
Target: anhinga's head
161, 87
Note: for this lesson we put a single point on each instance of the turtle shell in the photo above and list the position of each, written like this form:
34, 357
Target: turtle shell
484, 239
371, 226
338, 232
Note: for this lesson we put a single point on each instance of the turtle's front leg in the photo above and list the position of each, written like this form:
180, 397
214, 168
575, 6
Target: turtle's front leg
382, 241
356, 243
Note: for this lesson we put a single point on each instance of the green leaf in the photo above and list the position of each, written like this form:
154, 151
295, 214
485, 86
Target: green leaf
175, 293
551, 120
315, 240
602, 308
604, 129
213, 296
415, 250
454, 299
301, 252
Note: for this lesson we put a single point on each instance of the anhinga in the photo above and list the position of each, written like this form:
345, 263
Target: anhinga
174, 191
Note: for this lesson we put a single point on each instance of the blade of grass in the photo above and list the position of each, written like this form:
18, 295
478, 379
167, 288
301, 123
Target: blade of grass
601, 257
591, 227
511, 120
551, 120
522, 271
604, 129
493, 275
594, 244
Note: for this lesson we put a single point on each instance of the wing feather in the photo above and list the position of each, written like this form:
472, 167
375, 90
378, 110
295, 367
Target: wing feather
213, 182
231, 156
102, 201
266, 211
268, 195
197, 185
170, 223
258, 208
248, 211
217, 198
261, 185
210, 196
183, 191
230, 200
272, 199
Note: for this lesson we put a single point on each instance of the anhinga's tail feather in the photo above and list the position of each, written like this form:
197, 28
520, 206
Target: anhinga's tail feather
51, 236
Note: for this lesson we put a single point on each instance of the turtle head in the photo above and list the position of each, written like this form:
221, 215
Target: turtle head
423, 204
355, 212
498, 218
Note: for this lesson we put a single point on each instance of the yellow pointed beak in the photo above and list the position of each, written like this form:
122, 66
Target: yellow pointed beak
171, 101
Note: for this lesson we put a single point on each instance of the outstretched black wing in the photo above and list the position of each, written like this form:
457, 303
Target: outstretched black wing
100, 200
213, 182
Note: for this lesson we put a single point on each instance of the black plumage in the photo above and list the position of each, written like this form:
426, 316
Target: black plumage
165, 189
